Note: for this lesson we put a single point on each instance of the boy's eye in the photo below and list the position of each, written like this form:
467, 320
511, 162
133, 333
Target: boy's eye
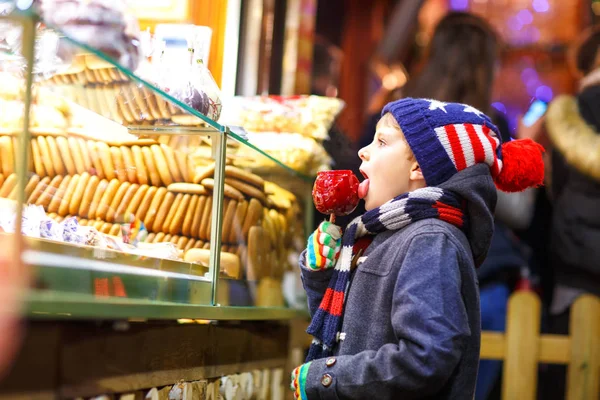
380, 142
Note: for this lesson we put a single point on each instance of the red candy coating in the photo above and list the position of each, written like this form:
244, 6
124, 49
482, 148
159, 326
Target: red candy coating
336, 192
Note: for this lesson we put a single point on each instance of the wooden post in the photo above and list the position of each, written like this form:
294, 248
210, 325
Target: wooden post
584, 366
522, 347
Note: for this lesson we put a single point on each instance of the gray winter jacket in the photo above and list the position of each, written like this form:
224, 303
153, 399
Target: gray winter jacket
412, 317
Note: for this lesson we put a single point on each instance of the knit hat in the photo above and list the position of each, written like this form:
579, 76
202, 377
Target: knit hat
449, 137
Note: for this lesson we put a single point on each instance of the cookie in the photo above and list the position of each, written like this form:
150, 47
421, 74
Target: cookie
235, 233
9, 184
46, 197
115, 230
204, 173
133, 205
97, 167
186, 227
176, 224
245, 176
106, 160
46, 156
31, 185
170, 157
145, 203
66, 155
63, 208
117, 159
116, 201
182, 242
58, 195
85, 155
57, 162
228, 217
181, 159
248, 190
141, 171
189, 188
253, 216
206, 216
228, 190
172, 212
129, 164
88, 196
157, 201
78, 192
190, 244
152, 171
162, 213
107, 198
95, 202
150, 237
39, 189
120, 215
7, 154
161, 164
38, 163
159, 238
197, 217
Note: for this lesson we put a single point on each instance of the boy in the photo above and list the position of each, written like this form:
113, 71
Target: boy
395, 304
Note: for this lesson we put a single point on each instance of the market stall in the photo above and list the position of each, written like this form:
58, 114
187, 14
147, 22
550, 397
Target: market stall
142, 213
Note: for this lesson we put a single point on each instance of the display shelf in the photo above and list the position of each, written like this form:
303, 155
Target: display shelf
56, 305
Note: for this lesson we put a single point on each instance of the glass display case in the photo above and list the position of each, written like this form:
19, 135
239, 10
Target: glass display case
135, 203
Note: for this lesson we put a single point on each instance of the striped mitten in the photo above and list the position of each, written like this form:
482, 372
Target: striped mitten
298, 382
324, 247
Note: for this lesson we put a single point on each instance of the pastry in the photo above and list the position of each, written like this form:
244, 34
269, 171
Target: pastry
170, 157
204, 173
88, 196
63, 208
75, 151
46, 156
190, 188
129, 164
95, 202
162, 213
30, 187
161, 164
186, 227
116, 201
206, 213
182, 242
228, 191
97, 167
98, 225
190, 244
240, 174
46, 197
150, 237
174, 239
115, 230
152, 171
248, 190
171, 213
38, 164
105, 228
106, 160
181, 159
167, 238
7, 154
117, 159
65, 153
133, 205
121, 207
145, 203
236, 235
154, 206
228, 217
159, 238
57, 162
85, 155
39, 189
198, 216
78, 192
9, 184
253, 216
140, 166
176, 223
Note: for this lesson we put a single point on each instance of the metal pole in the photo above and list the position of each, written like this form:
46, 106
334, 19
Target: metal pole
219, 145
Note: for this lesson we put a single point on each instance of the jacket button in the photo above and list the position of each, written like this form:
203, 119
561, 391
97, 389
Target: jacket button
326, 380
330, 362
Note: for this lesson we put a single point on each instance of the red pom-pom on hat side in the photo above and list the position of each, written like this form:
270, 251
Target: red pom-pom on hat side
522, 166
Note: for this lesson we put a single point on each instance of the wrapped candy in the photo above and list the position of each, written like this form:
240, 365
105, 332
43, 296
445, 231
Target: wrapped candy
52, 230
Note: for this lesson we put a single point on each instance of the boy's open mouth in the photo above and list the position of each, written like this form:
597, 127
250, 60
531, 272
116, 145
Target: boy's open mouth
363, 188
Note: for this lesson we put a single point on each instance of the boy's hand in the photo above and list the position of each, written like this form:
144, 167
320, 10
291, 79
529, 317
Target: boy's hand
324, 246
298, 382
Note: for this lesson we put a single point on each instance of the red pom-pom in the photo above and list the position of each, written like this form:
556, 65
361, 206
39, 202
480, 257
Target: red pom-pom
523, 166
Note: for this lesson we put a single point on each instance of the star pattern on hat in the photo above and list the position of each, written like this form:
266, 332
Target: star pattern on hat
471, 109
437, 105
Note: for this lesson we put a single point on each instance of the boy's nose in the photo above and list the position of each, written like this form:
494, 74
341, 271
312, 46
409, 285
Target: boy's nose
363, 154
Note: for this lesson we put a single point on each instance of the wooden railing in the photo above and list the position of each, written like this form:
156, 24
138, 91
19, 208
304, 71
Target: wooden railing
522, 348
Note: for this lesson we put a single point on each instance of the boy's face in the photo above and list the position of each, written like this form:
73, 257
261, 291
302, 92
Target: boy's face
388, 165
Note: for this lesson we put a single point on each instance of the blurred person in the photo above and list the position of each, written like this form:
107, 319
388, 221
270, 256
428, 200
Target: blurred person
14, 279
573, 126
447, 77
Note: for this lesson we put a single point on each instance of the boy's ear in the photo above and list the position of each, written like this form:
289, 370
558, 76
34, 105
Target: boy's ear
415, 172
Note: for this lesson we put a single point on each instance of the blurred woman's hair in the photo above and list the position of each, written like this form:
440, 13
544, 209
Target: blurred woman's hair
584, 54
460, 64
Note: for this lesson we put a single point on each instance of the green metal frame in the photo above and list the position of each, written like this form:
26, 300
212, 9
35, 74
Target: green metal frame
49, 304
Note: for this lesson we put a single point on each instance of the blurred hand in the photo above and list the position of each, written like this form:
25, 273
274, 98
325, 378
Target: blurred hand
14, 281
535, 132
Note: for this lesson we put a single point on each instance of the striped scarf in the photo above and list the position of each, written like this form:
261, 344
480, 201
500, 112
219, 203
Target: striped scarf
430, 202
